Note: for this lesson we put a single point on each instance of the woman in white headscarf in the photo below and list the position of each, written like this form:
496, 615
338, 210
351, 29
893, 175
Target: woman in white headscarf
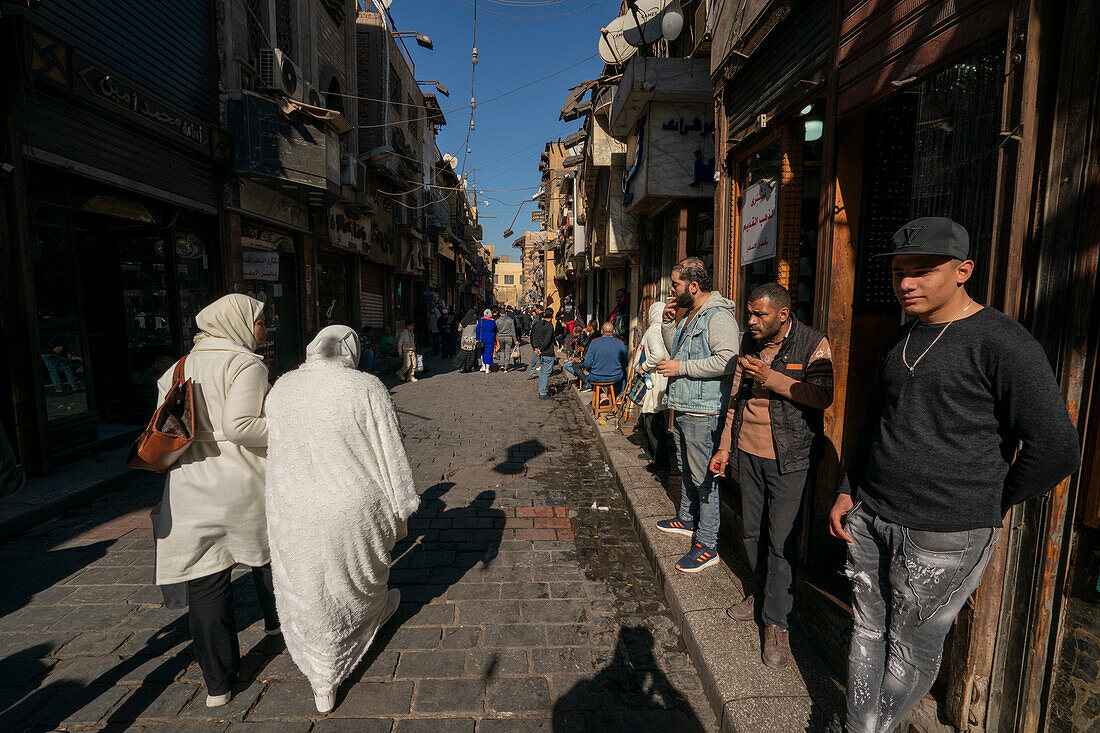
339, 492
652, 353
212, 514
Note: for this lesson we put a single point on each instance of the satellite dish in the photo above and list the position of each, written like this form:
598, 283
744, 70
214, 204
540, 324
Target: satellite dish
643, 22
614, 49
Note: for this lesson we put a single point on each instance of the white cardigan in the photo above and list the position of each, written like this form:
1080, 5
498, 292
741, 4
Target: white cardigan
653, 344
212, 514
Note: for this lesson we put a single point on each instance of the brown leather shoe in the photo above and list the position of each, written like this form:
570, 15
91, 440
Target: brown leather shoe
777, 647
743, 610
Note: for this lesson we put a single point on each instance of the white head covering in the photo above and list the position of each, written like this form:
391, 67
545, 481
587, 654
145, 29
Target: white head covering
230, 317
488, 313
656, 314
335, 342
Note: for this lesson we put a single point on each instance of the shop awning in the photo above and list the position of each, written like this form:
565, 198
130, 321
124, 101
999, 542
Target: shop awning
573, 107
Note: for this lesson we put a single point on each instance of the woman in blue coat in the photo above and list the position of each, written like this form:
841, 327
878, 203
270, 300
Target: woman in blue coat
487, 335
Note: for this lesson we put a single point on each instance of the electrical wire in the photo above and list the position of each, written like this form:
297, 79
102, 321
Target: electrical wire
506, 16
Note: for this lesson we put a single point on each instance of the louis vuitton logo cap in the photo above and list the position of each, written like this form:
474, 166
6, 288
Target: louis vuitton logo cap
931, 235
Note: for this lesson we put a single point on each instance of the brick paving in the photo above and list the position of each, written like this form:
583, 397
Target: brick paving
527, 602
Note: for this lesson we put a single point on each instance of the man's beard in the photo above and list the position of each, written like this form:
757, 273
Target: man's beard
684, 300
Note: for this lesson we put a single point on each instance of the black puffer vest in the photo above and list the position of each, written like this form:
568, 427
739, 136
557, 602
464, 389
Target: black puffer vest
795, 427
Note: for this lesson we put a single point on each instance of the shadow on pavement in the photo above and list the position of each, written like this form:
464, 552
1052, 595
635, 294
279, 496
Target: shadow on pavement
630, 693
22, 579
442, 547
47, 708
518, 455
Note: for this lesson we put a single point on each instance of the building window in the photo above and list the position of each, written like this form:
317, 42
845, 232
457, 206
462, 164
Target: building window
509, 279
334, 99
931, 152
496, 279
284, 26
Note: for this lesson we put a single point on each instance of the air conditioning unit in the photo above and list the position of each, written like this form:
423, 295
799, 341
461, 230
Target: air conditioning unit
279, 75
352, 172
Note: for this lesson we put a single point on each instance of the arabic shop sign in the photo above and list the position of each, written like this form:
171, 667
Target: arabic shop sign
347, 230
670, 154
538, 216
759, 228
109, 89
260, 265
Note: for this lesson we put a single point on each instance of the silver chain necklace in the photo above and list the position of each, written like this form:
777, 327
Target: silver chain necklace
905, 348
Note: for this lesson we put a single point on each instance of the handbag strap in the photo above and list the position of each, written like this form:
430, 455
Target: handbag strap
177, 375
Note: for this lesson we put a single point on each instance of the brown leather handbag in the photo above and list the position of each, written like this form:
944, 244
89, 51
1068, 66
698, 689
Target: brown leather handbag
171, 430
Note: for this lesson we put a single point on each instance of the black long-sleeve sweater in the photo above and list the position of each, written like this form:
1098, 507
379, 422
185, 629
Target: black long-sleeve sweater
979, 426
542, 336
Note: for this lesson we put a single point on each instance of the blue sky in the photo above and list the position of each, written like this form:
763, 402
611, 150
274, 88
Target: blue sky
516, 43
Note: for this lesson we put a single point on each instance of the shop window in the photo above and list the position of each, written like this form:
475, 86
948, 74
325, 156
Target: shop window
766, 164
332, 291
62, 349
195, 277
931, 152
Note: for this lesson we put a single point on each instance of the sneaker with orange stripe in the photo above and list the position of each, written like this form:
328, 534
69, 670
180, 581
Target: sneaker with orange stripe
701, 557
676, 526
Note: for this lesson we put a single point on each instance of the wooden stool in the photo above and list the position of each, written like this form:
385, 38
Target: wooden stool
602, 389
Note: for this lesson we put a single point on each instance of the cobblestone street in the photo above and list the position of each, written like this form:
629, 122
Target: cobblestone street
527, 601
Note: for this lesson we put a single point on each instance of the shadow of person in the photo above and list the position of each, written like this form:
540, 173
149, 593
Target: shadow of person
442, 547
630, 694
518, 456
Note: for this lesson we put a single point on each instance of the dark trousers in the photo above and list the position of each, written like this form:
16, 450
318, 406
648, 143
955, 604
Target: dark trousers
775, 498
213, 628
448, 345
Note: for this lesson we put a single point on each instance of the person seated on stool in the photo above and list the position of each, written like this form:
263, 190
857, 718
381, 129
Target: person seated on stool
606, 359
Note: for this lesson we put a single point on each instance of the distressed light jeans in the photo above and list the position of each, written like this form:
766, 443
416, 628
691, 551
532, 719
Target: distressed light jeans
908, 587
696, 437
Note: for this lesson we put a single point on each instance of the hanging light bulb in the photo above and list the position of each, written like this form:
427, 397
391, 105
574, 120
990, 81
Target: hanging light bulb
473, 103
475, 56
471, 125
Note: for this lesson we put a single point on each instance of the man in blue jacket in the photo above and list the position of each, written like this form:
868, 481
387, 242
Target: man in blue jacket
606, 358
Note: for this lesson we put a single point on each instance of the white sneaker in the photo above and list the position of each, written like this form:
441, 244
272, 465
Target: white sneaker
413, 379
325, 703
393, 600
216, 701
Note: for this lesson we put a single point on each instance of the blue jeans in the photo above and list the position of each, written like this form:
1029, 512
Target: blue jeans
696, 437
546, 365
575, 369
366, 360
55, 365
908, 587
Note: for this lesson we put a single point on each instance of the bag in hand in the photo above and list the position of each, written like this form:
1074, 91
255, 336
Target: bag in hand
171, 430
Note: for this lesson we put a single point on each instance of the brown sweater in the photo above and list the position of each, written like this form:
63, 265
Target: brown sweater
756, 426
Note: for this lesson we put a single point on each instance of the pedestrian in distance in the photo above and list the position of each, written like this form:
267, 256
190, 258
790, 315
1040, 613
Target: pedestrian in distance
487, 337
703, 346
469, 346
542, 345
212, 516
433, 327
652, 352
782, 385
406, 349
964, 420
448, 333
339, 494
506, 337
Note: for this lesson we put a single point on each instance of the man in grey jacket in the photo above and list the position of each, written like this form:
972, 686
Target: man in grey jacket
704, 345
506, 334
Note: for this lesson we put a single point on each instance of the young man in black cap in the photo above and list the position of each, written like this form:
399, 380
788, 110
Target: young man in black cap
964, 420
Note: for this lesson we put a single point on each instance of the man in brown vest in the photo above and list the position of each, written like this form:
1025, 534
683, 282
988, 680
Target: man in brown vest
783, 382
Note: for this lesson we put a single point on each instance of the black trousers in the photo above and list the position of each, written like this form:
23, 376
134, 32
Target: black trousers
214, 629
770, 502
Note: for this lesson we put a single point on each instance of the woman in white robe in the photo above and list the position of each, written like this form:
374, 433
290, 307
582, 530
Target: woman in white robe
212, 514
339, 492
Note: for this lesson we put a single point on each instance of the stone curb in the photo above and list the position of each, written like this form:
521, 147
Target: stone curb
745, 695
70, 487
